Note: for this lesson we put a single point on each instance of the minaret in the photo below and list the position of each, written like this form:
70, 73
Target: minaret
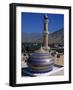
45, 33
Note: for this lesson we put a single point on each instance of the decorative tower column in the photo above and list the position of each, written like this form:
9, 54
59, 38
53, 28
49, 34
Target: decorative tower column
45, 33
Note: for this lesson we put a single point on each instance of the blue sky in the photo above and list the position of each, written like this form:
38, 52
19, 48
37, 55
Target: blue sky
34, 22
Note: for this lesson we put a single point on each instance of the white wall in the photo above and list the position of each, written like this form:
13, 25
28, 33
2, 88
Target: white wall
4, 45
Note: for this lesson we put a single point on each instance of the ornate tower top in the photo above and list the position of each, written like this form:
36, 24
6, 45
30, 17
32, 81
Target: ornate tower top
46, 16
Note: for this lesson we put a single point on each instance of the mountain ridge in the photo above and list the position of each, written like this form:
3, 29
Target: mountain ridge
55, 37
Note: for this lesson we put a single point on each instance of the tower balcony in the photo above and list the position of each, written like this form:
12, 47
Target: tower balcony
45, 33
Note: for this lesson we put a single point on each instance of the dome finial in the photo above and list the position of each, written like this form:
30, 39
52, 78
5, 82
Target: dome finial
41, 50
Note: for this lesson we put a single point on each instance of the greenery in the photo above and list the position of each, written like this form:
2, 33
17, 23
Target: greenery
59, 50
30, 47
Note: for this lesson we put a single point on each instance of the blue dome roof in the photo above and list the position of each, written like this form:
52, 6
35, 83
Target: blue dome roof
40, 61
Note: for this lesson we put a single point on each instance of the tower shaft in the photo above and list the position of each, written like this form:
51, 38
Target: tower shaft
45, 34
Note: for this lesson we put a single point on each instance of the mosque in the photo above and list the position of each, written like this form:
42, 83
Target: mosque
41, 60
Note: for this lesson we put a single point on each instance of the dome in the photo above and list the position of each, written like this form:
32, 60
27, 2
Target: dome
40, 61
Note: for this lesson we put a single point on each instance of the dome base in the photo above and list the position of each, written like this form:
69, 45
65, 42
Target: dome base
27, 72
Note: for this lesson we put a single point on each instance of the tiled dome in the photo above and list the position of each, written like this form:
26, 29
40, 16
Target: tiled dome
40, 61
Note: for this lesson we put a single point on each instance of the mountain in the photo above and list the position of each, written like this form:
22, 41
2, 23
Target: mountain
31, 37
55, 37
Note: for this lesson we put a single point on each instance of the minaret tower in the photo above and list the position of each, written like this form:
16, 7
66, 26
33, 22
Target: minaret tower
45, 33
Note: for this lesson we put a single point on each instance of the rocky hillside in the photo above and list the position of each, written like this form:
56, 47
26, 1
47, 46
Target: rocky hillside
55, 37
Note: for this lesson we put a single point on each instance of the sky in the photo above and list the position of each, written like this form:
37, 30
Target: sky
34, 22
